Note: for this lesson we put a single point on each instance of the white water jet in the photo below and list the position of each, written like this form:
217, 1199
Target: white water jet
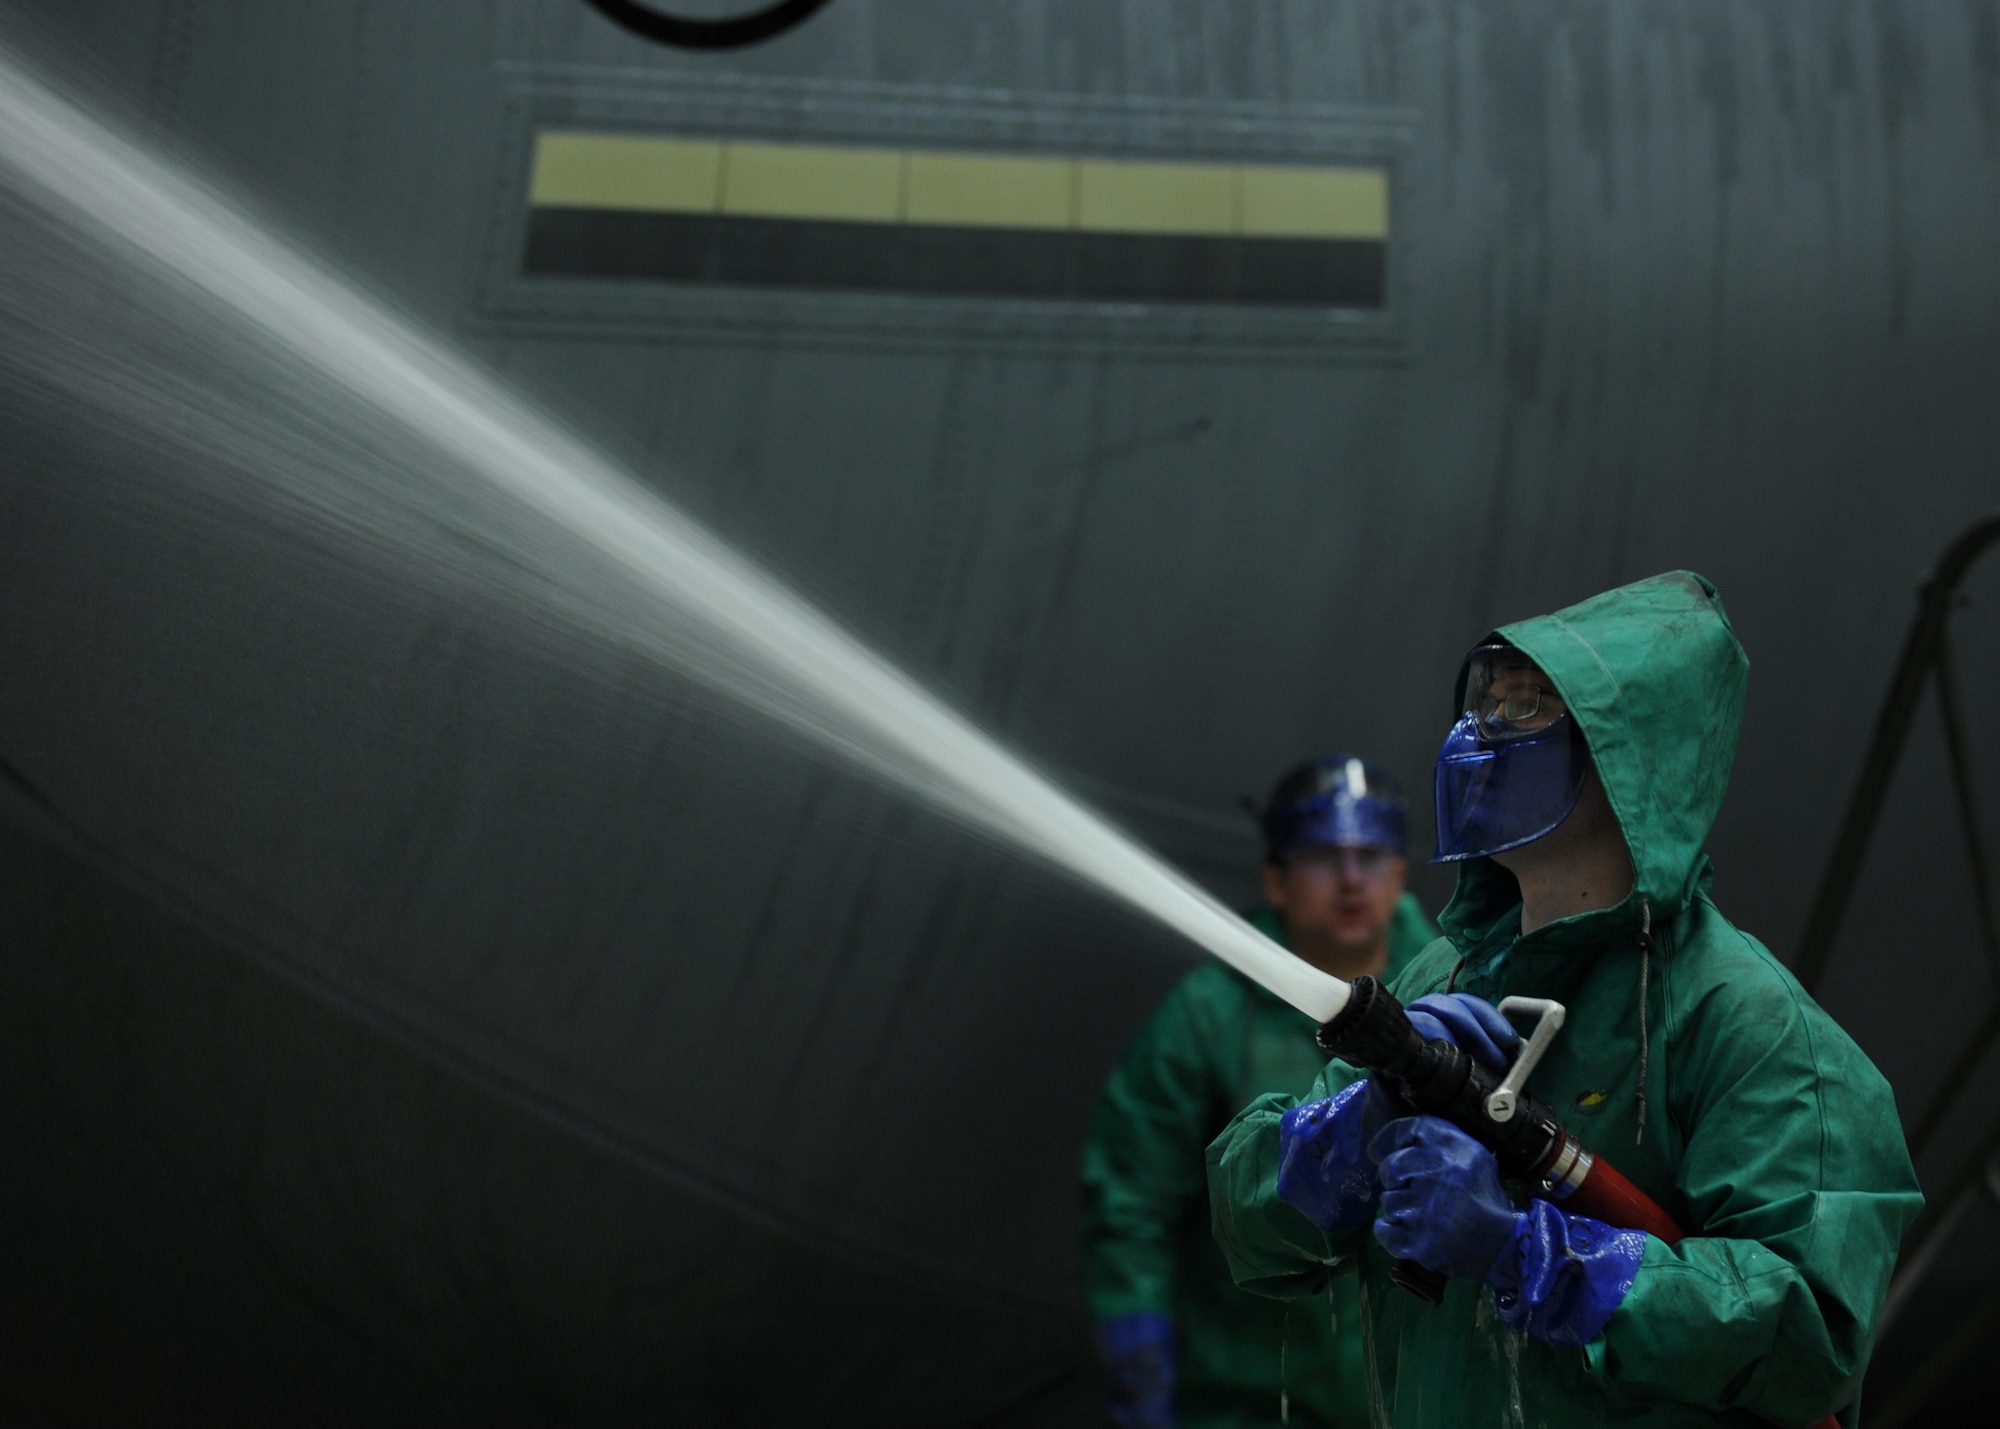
583, 543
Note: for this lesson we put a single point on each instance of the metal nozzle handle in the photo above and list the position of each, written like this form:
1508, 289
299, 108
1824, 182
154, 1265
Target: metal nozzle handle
1548, 1021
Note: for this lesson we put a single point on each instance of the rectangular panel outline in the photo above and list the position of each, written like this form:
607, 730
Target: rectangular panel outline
746, 109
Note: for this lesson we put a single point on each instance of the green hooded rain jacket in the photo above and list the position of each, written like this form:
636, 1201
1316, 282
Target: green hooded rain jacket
1702, 1071
1216, 1041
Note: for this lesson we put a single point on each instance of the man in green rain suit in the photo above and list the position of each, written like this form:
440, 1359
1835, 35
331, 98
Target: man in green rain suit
1577, 789
1181, 1343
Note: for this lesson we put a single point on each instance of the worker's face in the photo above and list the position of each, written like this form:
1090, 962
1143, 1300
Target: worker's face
1341, 897
1512, 694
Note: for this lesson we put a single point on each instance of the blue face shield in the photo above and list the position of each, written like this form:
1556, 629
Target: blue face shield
1340, 802
1513, 766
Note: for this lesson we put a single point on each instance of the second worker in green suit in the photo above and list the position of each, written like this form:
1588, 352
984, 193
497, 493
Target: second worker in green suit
1183, 1346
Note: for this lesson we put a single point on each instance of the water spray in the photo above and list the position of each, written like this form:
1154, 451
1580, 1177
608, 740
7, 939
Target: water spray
714, 616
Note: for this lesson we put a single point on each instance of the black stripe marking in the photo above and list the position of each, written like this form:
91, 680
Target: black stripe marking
966, 262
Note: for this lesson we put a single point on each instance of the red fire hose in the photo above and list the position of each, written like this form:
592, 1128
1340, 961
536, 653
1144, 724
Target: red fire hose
1606, 1196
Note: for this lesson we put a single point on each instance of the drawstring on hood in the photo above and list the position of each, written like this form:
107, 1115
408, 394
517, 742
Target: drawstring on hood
1645, 976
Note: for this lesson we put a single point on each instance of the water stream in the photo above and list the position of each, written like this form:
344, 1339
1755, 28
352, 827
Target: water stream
491, 494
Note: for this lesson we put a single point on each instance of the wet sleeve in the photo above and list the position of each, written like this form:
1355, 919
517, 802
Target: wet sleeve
1142, 1168
1796, 1172
1271, 1248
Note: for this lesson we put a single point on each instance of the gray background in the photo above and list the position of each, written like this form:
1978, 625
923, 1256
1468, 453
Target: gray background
401, 1018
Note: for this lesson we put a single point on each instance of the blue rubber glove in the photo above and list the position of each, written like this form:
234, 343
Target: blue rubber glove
1560, 1276
1138, 1354
1471, 1024
1556, 1276
1442, 1205
1323, 1168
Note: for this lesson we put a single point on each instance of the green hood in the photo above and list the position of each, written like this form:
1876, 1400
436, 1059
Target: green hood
1654, 675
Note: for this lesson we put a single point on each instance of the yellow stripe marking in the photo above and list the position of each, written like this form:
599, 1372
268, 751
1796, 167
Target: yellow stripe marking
794, 181
1115, 197
626, 172
991, 191
1315, 203
640, 173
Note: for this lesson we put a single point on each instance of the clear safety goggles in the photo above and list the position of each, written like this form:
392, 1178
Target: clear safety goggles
1507, 695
